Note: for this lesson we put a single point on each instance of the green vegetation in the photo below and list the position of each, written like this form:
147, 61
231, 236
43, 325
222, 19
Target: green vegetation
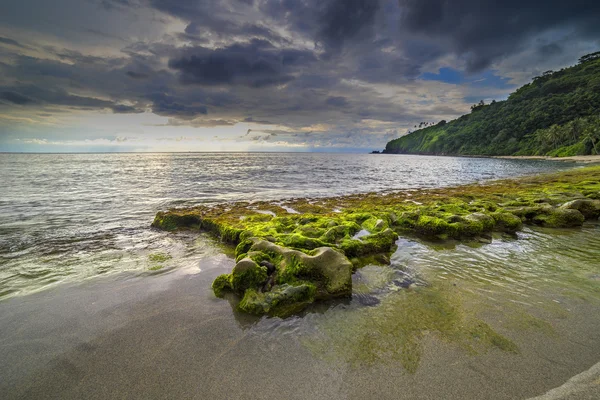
557, 115
287, 261
157, 259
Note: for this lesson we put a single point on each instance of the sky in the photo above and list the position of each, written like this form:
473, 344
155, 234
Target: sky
266, 75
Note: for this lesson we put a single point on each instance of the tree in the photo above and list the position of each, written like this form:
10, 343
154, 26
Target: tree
589, 57
478, 106
592, 134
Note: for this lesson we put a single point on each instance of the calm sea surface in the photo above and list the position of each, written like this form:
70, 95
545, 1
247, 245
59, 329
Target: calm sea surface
66, 217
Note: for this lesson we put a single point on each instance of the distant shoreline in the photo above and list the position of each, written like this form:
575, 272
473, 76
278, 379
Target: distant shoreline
582, 159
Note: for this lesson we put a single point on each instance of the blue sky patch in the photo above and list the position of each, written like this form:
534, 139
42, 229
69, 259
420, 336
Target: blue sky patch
487, 79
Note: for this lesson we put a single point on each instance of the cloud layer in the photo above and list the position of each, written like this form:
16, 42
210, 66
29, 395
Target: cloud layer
267, 74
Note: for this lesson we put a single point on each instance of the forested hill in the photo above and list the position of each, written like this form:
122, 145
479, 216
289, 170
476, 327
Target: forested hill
557, 114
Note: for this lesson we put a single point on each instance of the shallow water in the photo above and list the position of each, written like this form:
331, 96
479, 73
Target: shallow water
69, 217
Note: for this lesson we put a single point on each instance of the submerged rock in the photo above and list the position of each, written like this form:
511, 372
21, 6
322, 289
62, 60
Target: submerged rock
281, 301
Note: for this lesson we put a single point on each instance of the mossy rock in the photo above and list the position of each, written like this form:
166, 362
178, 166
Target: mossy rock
359, 217
281, 301
560, 218
374, 225
471, 225
591, 194
301, 242
243, 247
222, 284
485, 221
310, 231
173, 220
336, 233
429, 226
506, 222
247, 274
588, 207
329, 270
382, 242
528, 214
407, 219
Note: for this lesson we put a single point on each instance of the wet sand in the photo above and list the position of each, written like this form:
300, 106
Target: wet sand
167, 336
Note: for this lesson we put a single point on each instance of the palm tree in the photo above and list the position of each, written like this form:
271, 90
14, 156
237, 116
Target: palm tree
592, 135
554, 135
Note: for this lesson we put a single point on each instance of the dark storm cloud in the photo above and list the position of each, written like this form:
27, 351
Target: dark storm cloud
484, 31
124, 109
262, 122
345, 20
119, 4
331, 24
551, 49
30, 95
337, 101
15, 98
136, 75
10, 42
256, 64
167, 106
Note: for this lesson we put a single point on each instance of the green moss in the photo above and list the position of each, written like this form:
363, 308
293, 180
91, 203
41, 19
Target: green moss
432, 226
260, 256
159, 257
173, 220
243, 247
437, 213
375, 225
336, 233
459, 213
241, 257
247, 274
382, 242
155, 268
394, 330
222, 284
310, 231
358, 217
282, 301
588, 207
506, 222
560, 218
301, 242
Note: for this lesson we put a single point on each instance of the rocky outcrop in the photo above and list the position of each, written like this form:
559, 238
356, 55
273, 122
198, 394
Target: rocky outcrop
276, 280
286, 260
589, 208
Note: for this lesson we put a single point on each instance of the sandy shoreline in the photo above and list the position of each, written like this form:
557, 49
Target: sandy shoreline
167, 336
579, 159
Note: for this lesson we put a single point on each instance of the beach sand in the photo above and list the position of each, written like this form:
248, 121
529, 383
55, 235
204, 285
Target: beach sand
581, 159
167, 336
